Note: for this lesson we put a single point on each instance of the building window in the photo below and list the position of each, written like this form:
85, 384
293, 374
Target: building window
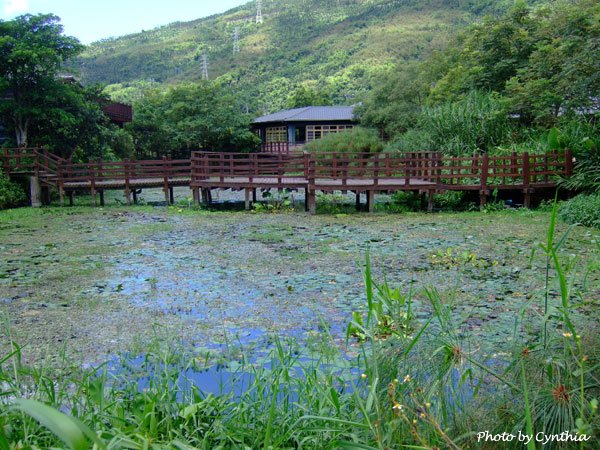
318, 131
276, 134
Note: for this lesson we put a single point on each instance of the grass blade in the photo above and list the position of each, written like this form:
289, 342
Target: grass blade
68, 429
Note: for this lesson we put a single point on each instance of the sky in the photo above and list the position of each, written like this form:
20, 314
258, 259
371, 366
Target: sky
92, 20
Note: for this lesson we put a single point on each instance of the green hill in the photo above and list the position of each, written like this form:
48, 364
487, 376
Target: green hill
337, 47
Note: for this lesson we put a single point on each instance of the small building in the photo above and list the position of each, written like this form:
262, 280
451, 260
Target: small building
293, 128
118, 113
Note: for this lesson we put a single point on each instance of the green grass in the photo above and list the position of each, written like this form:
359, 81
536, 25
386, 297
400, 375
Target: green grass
417, 382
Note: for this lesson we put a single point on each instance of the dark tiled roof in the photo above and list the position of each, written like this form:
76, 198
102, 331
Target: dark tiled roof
309, 113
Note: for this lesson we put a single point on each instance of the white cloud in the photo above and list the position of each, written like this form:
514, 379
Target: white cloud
15, 6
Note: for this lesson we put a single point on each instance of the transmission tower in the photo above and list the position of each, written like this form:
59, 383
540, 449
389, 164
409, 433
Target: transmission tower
259, 18
204, 67
236, 40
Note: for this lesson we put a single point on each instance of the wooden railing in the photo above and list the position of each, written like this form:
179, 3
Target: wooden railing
224, 167
423, 171
35, 161
18, 159
473, 172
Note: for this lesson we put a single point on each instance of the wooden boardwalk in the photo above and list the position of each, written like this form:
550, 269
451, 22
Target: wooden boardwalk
426, 173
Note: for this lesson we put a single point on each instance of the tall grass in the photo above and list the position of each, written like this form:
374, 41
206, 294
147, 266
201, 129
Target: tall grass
419, 384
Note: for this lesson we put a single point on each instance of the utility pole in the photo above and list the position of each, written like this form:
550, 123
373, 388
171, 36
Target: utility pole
236, 40
259, 17
204, 67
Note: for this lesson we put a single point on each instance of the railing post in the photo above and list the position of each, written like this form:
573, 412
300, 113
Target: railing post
61, 182
280, 169
91, 168
483, 192
568, 163
406, 170
101, 176
311, 200
165, 179
526, 180
127, 167
376, 169
222, 167
6, 162
388, 171
438, 163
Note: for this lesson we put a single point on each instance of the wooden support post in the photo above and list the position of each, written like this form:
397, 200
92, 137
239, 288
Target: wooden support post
135, 196
370, 201
196, 195
482, 199
422, 200
254, 195
306, 205
358, 200
204, 196
171, 195
527, 198
71, 198
430, 201
35, 191
102, 197
247, 199
45, 195
127, 195
61, 193
312, 202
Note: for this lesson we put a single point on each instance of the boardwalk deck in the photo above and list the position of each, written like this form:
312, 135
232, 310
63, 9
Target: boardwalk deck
422, 172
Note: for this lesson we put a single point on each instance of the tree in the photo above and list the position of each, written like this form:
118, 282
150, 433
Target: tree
32, 49
309, 95
562, 74
202, 116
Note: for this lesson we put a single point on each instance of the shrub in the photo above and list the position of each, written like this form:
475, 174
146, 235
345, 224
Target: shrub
11, 194
479, 122
583, 209
357, 140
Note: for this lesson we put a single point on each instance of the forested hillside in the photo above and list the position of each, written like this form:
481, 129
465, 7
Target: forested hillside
331, 49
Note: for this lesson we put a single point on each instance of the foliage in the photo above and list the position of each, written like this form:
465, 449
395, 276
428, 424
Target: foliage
339, 46
11, 194
389, 312
202, 116
309, 95
586, 172
358, 140
479, 122
583, 209
42, 107
429, 383
501, 86
32, 50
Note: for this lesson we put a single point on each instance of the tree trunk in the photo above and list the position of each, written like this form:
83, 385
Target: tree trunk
21, 127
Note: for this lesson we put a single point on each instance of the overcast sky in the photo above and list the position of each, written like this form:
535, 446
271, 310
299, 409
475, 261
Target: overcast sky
92, 20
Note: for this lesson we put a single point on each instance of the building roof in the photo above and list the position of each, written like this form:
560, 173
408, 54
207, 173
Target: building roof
309, 114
